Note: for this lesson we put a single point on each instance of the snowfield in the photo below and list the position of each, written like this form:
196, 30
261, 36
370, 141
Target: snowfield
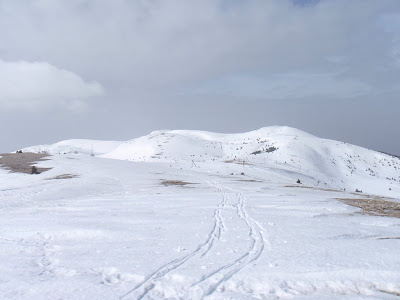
76, 147
200, 215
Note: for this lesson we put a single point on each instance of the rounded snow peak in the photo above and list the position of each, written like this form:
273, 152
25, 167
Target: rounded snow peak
282, 130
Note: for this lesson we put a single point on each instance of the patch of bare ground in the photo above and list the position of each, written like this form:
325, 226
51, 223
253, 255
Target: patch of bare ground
390, 292
175, 182
370, 204
313, 188
374, 206
63, 176
22, 162
249, 180
238, 162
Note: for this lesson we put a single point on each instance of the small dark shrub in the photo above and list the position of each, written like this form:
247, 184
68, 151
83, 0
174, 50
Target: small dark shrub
34, 170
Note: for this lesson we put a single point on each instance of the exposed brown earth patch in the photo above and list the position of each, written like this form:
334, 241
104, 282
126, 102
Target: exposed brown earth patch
249, 180
238, 162
390, 292
22, 162
314, 188
175, 182
63, 176
374, 206
370, 204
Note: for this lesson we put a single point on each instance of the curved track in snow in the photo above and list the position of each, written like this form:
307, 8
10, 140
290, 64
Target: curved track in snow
148, 284
209, 282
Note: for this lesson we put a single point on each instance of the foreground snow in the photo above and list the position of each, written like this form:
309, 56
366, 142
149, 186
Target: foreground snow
117, 232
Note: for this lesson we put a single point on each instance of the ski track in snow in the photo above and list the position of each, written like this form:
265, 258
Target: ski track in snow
148, 284
210, 282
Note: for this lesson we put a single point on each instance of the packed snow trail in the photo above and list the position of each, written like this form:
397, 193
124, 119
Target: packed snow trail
209, 282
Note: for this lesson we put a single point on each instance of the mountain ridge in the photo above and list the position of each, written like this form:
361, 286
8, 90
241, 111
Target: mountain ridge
279, 149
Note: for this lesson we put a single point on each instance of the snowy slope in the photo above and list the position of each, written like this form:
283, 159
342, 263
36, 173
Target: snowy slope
200, 145
77, 146
98, 228
316, 161
287, 152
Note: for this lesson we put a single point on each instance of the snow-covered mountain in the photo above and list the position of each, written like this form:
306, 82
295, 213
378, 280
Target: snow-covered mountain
288, 152
181, 145
316, 161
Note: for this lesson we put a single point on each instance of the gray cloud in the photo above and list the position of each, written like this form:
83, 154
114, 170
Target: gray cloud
208, 56
286, 86
167, 43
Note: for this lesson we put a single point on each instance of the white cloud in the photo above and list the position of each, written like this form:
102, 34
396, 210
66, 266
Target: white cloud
35, 85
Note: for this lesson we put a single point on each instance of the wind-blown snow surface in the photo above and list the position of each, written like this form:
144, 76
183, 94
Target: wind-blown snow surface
116, 232
76, 147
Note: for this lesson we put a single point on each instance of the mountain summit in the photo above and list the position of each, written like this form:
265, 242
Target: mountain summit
285, 153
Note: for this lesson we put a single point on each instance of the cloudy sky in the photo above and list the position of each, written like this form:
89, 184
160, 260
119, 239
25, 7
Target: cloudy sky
119, 69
